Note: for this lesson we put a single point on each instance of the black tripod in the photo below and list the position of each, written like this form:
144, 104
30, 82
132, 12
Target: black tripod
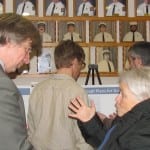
93, 67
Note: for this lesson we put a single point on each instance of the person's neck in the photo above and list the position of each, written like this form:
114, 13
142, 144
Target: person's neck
66, 71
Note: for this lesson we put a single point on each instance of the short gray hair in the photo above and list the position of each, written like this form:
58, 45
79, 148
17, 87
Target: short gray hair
14, 27
140, 50
138, 81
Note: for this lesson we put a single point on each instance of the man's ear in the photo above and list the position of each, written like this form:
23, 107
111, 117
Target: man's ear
74, 61
139, 62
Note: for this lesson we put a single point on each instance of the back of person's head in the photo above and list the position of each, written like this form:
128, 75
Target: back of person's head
14, 27
140, 50
66, 52
138, 81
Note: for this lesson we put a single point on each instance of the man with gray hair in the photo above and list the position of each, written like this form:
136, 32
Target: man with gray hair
139, 54
18, 37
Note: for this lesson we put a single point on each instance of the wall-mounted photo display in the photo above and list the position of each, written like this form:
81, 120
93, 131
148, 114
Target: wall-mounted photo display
103, 31
55, 7
47, 30
132, 31
71, 30
107, 59
26, 7
116, 8
85, 7
142, 7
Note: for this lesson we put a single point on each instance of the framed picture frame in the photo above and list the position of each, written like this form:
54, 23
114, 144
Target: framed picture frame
42, 62
52, 8
87, 59
2, 6
117, 8
107, 59
28, 8
86, 8
33, 65
103, 31
142, 8
138, 27
47, 30
126, 65
45, 60
65, 28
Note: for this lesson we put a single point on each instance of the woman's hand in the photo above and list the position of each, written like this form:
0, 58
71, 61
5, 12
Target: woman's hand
81, 111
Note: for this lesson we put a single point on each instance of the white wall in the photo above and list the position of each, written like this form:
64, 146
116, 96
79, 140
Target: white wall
31, 80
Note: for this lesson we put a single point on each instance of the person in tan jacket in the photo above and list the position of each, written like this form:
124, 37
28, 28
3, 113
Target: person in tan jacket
50, 128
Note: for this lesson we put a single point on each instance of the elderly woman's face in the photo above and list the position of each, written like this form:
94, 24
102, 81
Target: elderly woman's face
125, 100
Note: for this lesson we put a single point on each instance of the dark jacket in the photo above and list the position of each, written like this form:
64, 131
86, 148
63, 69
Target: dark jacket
132, 131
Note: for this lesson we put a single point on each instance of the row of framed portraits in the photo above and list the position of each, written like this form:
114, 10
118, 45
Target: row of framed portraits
90, 9
106, 57
119, 31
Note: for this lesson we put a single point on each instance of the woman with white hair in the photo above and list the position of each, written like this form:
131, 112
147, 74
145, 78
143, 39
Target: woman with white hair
131, 128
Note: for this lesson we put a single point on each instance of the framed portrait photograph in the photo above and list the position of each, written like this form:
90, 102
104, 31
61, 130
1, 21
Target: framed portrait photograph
2, 6
41, 62
107, 59
45, 60
55, 7
126, 65
33, 65
71, 30
87, 59
102, 31
85, 7
26, 7
132, 31
47, 30
142, 7
115, 7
